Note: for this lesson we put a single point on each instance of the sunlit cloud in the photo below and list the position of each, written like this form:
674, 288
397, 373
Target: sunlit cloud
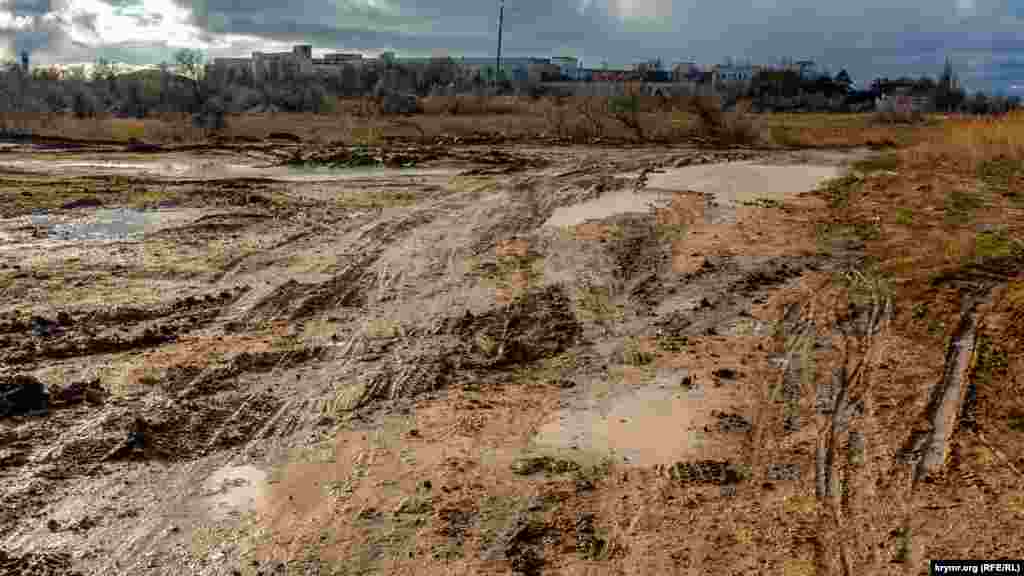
95, 22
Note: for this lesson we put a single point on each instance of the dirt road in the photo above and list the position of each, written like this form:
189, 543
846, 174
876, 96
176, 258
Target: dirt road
485, 359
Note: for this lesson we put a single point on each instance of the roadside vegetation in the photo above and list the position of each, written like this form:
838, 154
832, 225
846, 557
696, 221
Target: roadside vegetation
187, 102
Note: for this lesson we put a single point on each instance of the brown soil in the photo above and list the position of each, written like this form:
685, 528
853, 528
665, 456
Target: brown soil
495, 360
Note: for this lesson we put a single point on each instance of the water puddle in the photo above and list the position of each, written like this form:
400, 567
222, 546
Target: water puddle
739, 182
213, 170
235, 490
606, 206
645, 426
103, 224
730, 184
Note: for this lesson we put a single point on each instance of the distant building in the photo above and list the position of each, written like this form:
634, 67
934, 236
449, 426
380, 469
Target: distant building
339, 58
607, 75
734, 75
808, 69
567, 66
265, 66
280, 65
686, 72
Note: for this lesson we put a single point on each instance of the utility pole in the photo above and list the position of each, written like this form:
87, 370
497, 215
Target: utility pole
501, 23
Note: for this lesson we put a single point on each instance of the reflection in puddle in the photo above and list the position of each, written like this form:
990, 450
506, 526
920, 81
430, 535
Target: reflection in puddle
103, 224
647, 426
606, 206
738, 182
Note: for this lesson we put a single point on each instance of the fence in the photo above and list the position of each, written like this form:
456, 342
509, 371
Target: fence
903, 104
607, 89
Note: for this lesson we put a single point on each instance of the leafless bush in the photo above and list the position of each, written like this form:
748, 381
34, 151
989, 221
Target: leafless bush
588, 108
727, 128
626, 109
557, 115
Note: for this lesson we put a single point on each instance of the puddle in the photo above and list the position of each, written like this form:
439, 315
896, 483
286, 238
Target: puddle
731, 184
213, 170
235, 490
606, 206
645, 426
738, 182
103, 224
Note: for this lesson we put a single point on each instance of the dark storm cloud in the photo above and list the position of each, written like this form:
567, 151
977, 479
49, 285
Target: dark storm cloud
456, 26
869, 38
44, 40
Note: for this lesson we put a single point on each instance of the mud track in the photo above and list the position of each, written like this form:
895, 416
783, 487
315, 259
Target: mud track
368, 367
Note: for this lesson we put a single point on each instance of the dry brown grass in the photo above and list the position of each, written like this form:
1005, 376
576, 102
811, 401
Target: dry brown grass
820, 130
577, 119
964, 143
933, 220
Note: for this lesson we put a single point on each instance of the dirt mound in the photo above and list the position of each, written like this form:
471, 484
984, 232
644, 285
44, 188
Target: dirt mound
179, 431
287, 136
638, 237
299, 301
405, 374
195, 381
539, 324
78, 333
365, 156
138, 146
42, 564
500, 162
90, 392
87, 202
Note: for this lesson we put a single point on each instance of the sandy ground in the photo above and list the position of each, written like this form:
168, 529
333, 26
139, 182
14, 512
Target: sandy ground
567, 361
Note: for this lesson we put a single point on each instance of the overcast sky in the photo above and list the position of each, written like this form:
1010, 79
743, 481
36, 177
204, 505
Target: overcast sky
984, 38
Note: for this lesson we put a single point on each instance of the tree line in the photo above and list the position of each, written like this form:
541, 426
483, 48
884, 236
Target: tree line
779, 90
188, 85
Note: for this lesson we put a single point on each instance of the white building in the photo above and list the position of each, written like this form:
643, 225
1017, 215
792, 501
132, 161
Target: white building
734, 75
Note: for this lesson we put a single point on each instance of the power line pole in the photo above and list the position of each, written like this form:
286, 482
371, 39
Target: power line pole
501, 23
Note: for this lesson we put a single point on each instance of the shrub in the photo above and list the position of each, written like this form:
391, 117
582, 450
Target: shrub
735, 127
886, 116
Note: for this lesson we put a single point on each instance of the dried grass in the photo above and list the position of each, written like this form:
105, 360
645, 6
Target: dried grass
966, 143
579, 119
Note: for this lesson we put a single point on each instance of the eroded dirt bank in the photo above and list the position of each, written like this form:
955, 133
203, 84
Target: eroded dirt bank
484, 360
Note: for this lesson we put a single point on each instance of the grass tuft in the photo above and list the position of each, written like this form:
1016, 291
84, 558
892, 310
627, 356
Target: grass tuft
838, 190
904, 216
960, 206
878, 163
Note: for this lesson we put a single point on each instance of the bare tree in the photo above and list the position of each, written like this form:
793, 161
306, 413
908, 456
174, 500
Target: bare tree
190, 64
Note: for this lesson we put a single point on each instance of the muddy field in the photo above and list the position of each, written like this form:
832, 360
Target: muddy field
460, 360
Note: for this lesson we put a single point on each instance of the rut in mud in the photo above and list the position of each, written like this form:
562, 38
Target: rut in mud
493, 359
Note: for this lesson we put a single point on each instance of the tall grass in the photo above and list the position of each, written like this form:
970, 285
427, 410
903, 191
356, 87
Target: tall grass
580, 119
968, 142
